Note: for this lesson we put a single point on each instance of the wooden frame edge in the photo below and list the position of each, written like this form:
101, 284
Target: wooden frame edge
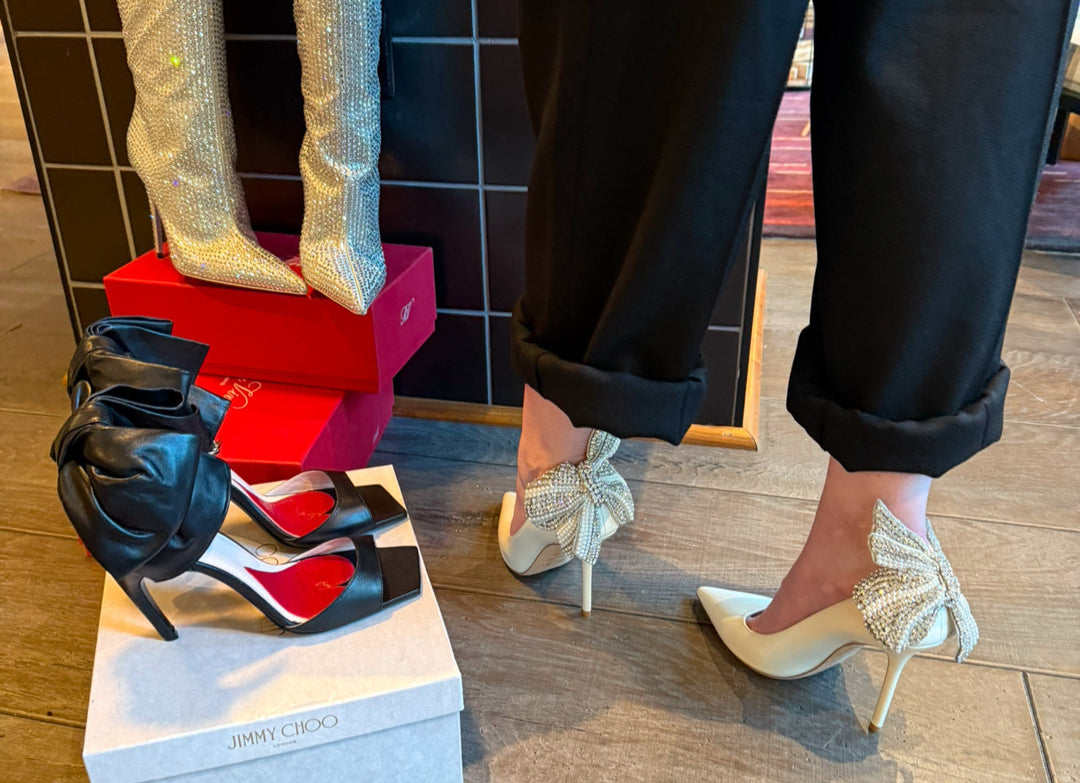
744, 437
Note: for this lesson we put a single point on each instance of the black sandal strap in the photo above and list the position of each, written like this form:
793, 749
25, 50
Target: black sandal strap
350, 516
361, 598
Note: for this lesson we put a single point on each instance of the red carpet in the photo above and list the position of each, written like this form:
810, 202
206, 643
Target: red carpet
789, 202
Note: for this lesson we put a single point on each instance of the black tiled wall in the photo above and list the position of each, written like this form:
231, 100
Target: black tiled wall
457, 148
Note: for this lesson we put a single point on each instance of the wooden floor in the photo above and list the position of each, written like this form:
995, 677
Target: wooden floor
642, 690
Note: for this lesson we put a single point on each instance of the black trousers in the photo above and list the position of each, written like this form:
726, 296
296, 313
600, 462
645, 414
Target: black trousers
929, 121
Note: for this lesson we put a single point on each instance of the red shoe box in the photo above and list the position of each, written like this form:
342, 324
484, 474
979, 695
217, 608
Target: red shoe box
307, 340
273, 431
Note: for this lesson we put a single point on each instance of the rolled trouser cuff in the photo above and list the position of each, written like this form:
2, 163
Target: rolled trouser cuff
862, 441
624, 404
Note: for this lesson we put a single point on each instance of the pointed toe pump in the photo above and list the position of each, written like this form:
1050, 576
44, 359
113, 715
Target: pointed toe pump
148, 504
569, 512
316, 506
912, 603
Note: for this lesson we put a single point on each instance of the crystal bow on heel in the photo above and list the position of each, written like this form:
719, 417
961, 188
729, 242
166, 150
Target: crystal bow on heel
912, 603
569, 512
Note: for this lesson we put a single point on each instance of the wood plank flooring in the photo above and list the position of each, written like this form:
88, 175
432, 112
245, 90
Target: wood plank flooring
642, 690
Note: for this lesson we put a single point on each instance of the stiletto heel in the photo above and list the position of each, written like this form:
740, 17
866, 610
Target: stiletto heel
897, 662
586, 589
159, 231
912, 603
569, 512
134, 586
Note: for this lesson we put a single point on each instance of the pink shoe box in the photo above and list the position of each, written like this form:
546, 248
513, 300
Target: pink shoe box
308, 340
273, 431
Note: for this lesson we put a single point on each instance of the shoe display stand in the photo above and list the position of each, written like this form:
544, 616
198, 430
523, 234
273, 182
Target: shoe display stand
236, 699
311, 383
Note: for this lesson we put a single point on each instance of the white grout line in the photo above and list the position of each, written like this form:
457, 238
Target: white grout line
402, 183
444, 40
81, 167
46, 189
414, 183
107, 126
480, 196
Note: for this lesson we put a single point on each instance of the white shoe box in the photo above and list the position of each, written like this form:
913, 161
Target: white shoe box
237, 699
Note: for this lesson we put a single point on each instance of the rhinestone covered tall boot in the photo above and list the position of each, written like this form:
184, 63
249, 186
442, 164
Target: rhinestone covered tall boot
569, 512
912, 603
181, 143
340, 248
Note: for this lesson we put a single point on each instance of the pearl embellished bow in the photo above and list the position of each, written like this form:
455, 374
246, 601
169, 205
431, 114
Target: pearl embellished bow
574, 500
900, 601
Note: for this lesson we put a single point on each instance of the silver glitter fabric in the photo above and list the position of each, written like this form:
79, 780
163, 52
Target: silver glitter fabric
182, 145
340, 249
571, 499
901, 600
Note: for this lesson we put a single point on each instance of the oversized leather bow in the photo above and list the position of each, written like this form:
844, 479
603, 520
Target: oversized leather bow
571, 499
900, 601
140, 499
148, 374
135, 351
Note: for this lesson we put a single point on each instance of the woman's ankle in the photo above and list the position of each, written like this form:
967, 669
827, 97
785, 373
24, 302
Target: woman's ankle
836, 554
548, 438
848, 499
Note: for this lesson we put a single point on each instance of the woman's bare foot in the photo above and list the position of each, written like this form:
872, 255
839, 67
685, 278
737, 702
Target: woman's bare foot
547, 439
835, 555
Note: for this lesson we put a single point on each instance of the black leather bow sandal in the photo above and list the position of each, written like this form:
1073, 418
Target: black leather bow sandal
147, 375
316, 506
148, 504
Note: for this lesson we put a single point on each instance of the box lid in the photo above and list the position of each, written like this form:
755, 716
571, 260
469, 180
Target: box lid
234, 687
272, 422
308, 340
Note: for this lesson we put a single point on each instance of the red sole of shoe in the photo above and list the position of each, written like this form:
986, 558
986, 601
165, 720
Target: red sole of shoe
309, 586
299, 514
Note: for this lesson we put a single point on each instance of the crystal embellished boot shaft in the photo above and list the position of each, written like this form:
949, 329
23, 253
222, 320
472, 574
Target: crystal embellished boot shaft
181, 143
569, 512
340, 247
912, 603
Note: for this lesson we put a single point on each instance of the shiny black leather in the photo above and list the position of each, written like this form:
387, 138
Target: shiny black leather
143, 501
367, 591
135, 351
198, 413
138, 365
357, 511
